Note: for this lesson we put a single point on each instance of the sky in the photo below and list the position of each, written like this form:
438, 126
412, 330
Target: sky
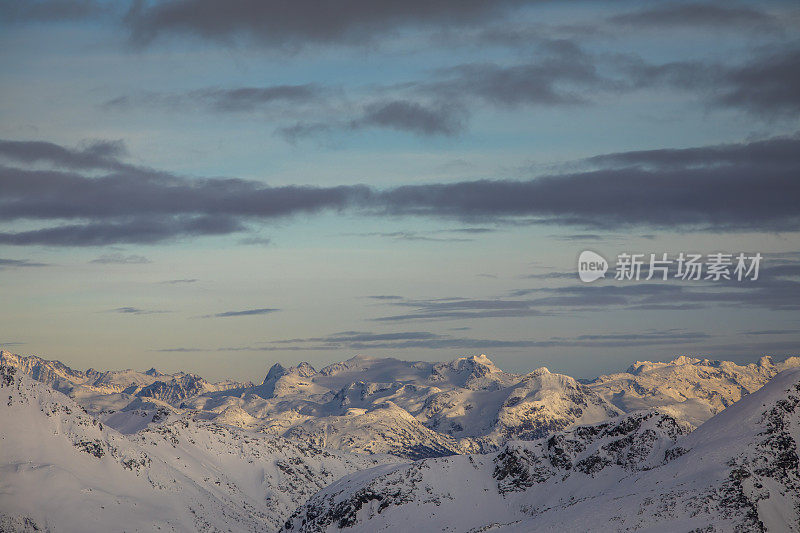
214, 189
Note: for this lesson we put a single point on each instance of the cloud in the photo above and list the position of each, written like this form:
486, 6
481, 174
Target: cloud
303, 21
579, 237
751, 186
347, 337
770, 84
139, 230
95, 155
557, 78
20, 263
561, 74
771, 332
246, 312
703, 15
239, 99
766, 85
777, 289
21, 11
122, 259
720, 191
359, 341
407, 236
179, 281
403, 115
461, 308
134, 311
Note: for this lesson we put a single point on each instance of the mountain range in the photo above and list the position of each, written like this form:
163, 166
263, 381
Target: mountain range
385, 444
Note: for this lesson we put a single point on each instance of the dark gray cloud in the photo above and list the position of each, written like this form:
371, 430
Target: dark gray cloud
579, 237
180, 281
553, 275
102, 155
20, 11
134, 231
245, 312
302, 130
766, 85
561, 72
134, 311
713, 192
461, 308
347, 337
303, 21
403, 115
770, 84
365, 341
20, 263
239, 99
749, 186
407, 236
122, 259
700, 14
356, 341
777, 289
777, 151
771, 332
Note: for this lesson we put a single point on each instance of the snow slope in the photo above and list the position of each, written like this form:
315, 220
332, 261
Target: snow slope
62, 470
737, 472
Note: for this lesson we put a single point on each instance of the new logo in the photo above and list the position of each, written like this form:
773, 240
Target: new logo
591, 266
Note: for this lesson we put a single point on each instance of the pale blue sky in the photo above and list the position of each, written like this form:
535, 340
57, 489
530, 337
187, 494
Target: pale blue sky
512, 94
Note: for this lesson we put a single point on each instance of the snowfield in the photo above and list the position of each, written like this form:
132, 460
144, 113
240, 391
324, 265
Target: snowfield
646, 471
388, 445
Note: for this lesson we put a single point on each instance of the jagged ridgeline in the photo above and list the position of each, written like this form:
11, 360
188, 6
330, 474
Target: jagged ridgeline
142, 450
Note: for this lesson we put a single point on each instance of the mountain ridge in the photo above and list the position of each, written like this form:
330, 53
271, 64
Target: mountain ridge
460, 406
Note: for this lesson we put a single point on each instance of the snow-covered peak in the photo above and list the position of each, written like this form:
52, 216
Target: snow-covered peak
737, 472
692, 389
63, 470
276, 371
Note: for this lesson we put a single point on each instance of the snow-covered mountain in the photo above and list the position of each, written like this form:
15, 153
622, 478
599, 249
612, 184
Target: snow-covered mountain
77, 383
63, 470
645, 471
406, 408
690, 389
491, 450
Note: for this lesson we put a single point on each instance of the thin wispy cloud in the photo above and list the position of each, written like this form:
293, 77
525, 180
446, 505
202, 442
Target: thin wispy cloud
408, 340
20, 263
121, 259
244, 312
135, 311
699, 14
234, 100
